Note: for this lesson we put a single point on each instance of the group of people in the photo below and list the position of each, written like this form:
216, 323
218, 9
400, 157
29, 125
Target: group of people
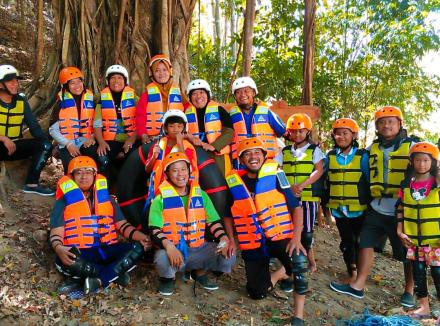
389, 189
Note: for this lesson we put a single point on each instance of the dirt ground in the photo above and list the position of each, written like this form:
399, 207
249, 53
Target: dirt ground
28, 283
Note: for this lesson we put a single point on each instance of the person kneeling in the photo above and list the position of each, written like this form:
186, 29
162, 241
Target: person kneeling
178, 217
83, 234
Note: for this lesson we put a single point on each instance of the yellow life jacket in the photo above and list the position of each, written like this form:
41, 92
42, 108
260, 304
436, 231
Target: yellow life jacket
299, 169
397, 164
213, 124
421, 218
348, 185
183, 223
260, 128
11, 120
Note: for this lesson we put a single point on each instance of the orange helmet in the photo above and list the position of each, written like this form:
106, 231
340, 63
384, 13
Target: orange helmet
69, 73
299, 121
250, 143
346, 123
173, 158
160, 58
426, 148
388, 111
80, 162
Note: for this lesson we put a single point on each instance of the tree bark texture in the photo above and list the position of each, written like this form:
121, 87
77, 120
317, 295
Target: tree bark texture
40, 38
94, 34
249, 20
309, 44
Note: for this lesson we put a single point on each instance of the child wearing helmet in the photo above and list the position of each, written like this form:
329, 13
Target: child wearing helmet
388, 162
71, 122
347, 193
91, 257
303, 163
178, 217
115, 121
14, 113
418, 220
209, 125
173, 129
161, 95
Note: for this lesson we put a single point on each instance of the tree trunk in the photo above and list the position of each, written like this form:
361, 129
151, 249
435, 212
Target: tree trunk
233, 27
309, 44
40, 38
94, 34
249, 20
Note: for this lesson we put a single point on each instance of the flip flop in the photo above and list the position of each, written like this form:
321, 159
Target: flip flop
419, 316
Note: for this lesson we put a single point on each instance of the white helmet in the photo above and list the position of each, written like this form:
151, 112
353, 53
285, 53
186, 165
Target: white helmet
244, 82
198, 84
117, 69
8, 71
174, 113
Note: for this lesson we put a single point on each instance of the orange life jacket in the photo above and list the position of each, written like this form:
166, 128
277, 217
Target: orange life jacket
267, 215
109, 115
213, 124
72, 126
260, 128
83, 227
155, 109
183, 223
157, 176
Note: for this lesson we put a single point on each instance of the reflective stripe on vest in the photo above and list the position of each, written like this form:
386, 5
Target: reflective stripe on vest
260, 128
180, 224
72, 126
397, 165
11, 120
266, 214
422, 218
82, 228
110, 117
299, 170
155, 109
345, 183
213, 124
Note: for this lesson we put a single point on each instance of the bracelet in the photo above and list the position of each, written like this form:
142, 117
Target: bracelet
56, 246
130, 236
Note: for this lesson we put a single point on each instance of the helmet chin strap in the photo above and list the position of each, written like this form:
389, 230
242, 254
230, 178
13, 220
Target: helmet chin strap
5, 89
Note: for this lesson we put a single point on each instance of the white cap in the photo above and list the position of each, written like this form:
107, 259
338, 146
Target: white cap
244, 82
6, 70
198, 84
116, 69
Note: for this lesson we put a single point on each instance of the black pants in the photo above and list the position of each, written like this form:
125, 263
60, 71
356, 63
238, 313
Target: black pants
420, 281
350, 231
38, 149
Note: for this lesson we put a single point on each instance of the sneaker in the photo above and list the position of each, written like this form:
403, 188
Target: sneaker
91, 285
407, 300
39, 190
69, 286
347, 289
297, 321
206, 283
166, 287
286, 285
123, 280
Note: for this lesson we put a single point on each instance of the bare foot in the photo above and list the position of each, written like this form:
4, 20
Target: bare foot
422, 311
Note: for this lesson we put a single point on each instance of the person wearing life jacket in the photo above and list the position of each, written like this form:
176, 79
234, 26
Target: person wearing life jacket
209, 124
14, 112
388, 161
267, 218
174, 129
115, 121
418, 221
303, 163
253, 119
347, 191
161, 95
84, 224
71, 122
178, 217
